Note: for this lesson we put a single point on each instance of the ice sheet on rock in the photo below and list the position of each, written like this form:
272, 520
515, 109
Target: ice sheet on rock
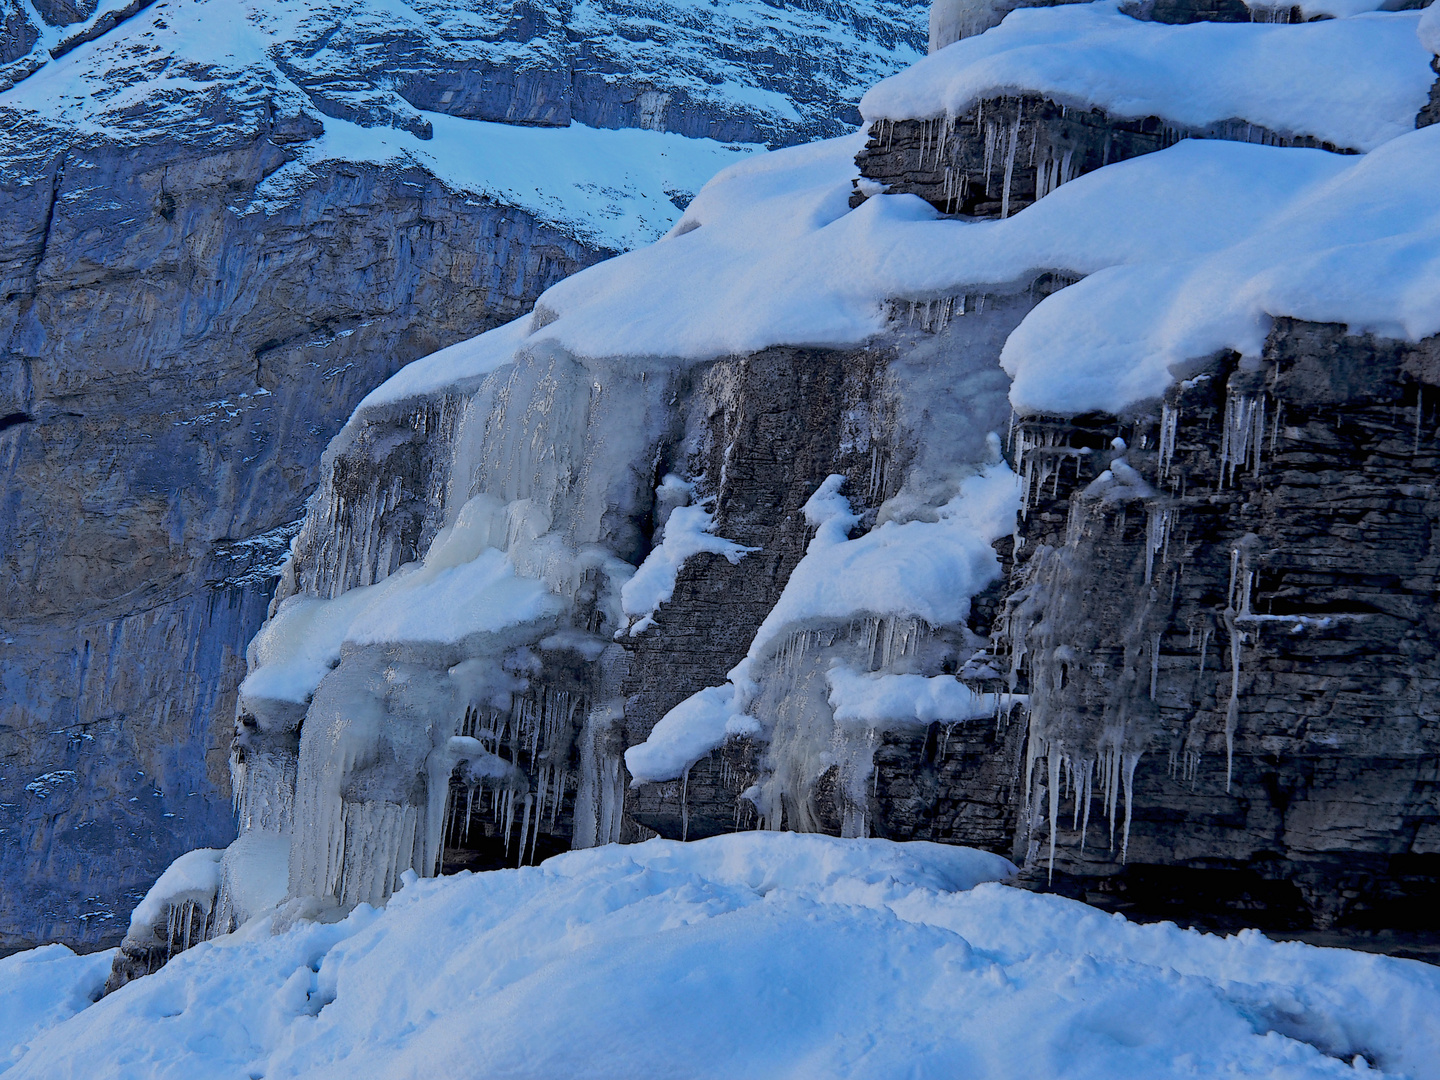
1362, 248
587, 966
42, 987
1354, 82
687, 531
464, 587
254, 878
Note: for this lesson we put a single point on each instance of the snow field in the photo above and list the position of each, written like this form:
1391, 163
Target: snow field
752, 955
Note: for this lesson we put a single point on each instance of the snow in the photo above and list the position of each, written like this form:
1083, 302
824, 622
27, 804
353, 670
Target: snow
609, 188
886, 702
689, 530
1361, 249
1354, 82
752, 955
43, 987
1429, 28
464, 587
923, 569
192, 878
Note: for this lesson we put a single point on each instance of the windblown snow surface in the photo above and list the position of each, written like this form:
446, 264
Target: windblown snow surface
753, 955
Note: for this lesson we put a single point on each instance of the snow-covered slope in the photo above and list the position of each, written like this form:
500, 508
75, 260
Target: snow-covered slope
756, 955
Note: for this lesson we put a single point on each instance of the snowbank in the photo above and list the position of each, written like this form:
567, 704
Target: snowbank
1362, 249
769, 253
43, 987
752, 955
1353, 82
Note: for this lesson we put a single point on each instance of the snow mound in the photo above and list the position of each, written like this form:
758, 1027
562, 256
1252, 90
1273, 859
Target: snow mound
43, 987
751, 955
1353, 82
1362, 249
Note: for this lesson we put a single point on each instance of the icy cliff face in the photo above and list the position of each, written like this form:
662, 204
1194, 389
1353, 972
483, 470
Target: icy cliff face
837, 432
220, 226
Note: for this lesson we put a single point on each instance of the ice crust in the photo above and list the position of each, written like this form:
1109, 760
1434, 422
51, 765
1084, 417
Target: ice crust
1354, 82
750, 955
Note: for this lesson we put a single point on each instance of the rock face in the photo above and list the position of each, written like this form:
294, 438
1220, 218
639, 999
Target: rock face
181, 334
1007, 152
151, 488
1273, 597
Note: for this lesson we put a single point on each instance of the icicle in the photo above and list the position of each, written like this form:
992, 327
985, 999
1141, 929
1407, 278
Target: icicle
1232, 713
1010, 164
1169, 429
1131, 760
524, 827
685, 805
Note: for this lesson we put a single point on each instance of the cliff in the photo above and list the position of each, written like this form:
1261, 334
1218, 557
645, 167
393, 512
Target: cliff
220, 226
1084, 519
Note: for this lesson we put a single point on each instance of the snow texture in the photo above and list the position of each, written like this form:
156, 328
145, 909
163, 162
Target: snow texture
751, 955
1354, 82
44, 987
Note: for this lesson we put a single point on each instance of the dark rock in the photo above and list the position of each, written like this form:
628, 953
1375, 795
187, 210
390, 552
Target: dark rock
1006, 152
1318, 540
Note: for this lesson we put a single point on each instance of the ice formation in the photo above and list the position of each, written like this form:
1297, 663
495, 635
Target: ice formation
177, 910
890, 601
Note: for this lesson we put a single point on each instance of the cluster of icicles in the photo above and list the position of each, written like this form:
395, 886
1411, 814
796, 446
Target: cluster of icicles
1072, 742
536, 727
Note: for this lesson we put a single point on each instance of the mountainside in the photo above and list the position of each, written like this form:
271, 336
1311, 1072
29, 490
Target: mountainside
1027, 471
220, 225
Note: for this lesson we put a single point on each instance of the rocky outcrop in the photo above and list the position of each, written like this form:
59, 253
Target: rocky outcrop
1271, 595
1007, 152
